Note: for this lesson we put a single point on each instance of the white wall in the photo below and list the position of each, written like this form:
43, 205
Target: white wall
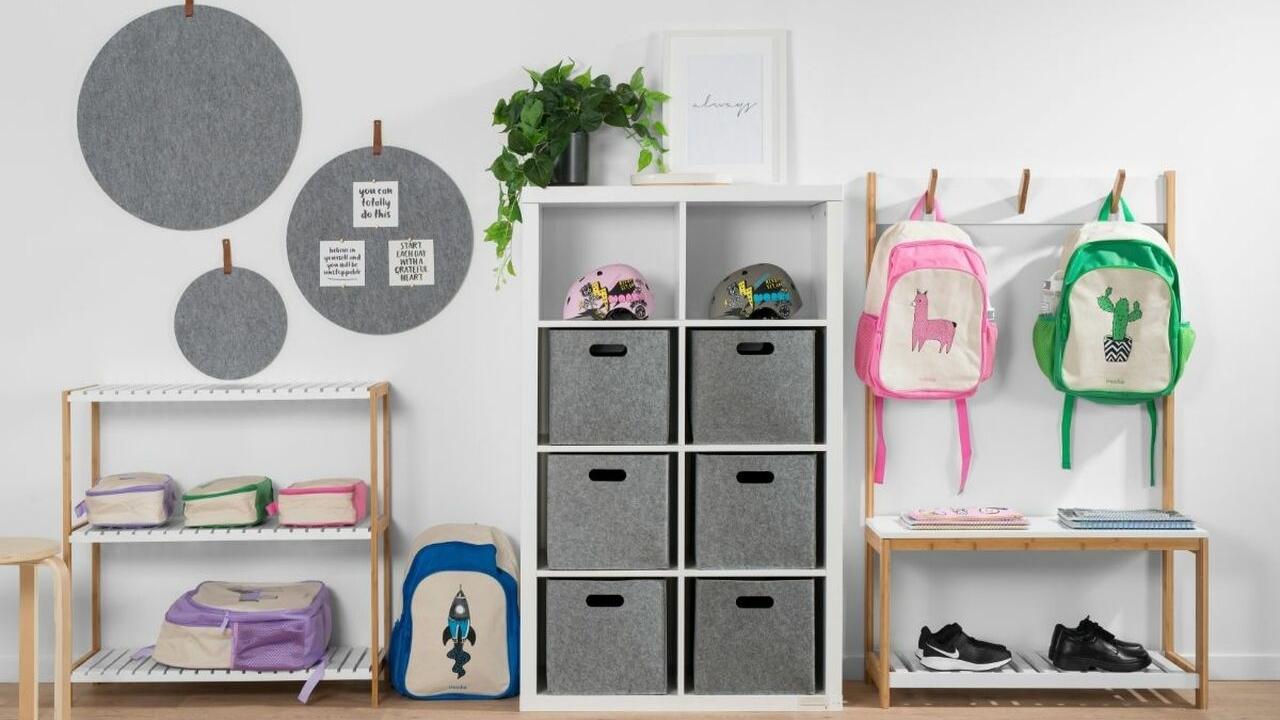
975, 89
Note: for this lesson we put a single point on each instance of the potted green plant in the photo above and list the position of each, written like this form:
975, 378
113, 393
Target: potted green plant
558, 110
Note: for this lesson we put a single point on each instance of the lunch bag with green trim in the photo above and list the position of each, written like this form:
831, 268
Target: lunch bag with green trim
228, 502
1117, 336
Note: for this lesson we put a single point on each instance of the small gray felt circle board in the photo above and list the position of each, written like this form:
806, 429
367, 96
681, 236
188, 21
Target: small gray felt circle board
230, 325
386, 291
189, 123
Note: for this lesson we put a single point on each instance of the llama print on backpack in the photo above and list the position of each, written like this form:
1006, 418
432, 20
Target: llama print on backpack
923, 329
926, 284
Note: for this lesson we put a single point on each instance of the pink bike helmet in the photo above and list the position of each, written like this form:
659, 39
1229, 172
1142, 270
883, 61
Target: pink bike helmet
612, 292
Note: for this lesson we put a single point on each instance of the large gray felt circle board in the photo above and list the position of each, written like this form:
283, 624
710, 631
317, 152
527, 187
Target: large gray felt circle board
189, 123
430, 207
230, 326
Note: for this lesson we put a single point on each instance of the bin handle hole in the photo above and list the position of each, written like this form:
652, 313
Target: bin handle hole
607, 475
754, 602
755, 348
609, 601
755, 477
608, 350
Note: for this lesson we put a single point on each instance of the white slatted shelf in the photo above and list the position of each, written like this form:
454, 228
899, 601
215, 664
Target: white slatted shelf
119, 665
221, 392
889, 527
687, 572
1031, 669
175, 531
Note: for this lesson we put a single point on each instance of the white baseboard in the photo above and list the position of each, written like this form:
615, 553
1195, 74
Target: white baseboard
1222, 666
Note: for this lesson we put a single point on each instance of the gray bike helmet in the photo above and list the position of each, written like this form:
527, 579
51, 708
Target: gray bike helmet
756, 292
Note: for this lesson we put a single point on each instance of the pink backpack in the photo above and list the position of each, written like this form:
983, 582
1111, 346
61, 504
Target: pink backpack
927, 330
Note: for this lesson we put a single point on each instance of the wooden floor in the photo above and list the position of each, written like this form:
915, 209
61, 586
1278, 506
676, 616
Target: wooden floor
340, 701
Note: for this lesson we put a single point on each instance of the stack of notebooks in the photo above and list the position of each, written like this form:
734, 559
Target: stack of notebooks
1101, 519
964, 518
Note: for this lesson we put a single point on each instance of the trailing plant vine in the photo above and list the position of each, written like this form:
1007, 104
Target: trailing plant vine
538, 123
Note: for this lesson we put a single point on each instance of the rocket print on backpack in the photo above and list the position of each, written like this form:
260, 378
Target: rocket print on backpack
1117, 335
927, 330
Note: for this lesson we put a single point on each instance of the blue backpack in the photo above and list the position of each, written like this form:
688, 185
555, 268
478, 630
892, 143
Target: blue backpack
458, 635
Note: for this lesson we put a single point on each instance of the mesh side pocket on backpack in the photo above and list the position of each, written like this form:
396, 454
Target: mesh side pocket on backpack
1186, 341
282, 645
1042, 337
863, 342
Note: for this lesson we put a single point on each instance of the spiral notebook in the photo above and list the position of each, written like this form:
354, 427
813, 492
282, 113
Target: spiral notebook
1106, 519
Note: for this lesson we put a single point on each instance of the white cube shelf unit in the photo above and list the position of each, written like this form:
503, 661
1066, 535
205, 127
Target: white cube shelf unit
127, 665
684, 240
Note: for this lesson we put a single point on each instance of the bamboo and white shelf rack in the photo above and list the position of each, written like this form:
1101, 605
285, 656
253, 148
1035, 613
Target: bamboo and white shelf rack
884, 536
121, 665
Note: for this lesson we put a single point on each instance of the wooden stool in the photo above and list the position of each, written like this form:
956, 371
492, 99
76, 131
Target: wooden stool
27, 553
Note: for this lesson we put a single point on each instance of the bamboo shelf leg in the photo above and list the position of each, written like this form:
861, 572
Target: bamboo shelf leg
1202, 624
376, 515
95, 552
886, 556
386, 526
868, 604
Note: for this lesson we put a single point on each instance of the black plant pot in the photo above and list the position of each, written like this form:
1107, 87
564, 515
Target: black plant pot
571, 166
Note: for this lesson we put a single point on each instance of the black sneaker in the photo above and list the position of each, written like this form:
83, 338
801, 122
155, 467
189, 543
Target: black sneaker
1074, 650
951, 649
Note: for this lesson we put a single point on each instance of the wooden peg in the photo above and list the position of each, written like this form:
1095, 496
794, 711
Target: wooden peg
931, 193
377, 137
226, 256
190, 8
1023, 189
1116, 190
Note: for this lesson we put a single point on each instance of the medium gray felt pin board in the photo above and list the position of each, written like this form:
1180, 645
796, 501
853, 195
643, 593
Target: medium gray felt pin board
608, 512
606, 637
755, 511
430, 206
230, 326
189, 123
754, 637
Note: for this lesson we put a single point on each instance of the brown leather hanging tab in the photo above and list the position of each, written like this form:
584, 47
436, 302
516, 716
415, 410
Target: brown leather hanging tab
377, 137
226, 256
190, 8
1023, 189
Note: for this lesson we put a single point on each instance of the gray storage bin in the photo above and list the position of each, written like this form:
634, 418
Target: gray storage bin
606, 637
755, 511
608, 512
754, 637
609, 387
753, 386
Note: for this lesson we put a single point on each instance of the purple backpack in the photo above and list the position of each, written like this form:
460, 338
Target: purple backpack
247, 626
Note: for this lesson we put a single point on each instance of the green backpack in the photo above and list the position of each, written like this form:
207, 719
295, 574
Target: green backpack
1116, 335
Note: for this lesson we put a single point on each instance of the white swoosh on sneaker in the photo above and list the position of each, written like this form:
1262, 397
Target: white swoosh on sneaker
953, 654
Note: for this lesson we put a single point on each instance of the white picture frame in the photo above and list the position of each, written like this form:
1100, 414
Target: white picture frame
728, 109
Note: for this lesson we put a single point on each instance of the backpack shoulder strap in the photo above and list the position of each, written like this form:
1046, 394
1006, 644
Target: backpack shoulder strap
877, 404
1068, 410
1151, 450
966, 448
